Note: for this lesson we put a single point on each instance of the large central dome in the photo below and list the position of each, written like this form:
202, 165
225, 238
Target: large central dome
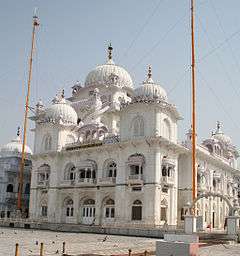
109, 74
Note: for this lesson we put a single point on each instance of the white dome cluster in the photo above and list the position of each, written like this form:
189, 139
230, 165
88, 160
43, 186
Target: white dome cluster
150, 89
14, 148
61, 111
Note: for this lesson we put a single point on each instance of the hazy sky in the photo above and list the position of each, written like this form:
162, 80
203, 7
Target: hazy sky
73, 38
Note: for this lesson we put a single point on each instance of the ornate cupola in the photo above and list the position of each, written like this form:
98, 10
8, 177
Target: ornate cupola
220, 136
60, 111
150, 89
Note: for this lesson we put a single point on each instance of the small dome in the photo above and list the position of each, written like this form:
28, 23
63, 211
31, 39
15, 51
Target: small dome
109, 74
150, 89
14, 148
61, 111
220, 136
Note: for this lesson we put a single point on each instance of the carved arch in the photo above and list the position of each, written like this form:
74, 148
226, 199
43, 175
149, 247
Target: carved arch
206, 195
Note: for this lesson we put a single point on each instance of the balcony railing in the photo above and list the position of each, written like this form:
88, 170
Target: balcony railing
135, 179
77, 182
168, 180
43, 183
68, 182
107, 180
86, 181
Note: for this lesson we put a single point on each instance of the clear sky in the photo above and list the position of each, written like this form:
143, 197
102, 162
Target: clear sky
73, 38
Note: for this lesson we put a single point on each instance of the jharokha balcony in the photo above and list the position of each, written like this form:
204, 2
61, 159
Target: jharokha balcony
43, 183
168, 180
135, 179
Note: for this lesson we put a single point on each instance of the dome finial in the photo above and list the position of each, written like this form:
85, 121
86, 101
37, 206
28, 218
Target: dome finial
218, 126
110, 49
62, 93
149, 72
18, 131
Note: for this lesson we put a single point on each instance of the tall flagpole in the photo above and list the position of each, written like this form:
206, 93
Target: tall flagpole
194, 175
19, 201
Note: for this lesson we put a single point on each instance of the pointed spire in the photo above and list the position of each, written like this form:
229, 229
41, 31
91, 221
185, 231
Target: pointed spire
149, 72
18, 131
110, 49
149, 79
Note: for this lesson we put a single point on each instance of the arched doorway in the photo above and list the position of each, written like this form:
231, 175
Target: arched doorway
88, 212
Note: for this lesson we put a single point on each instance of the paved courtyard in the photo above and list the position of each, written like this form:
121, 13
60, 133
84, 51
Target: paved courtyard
82, 243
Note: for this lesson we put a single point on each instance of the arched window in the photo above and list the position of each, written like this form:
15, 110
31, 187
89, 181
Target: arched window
110, 209
69, 208
137, 210
198, 179
87, 171
214, 183
47, 142
137, 126
10, 188
43, 173
111, 170
27, 188
166, 129
44, 209
136, 163
164, 205
164, 170
70, 172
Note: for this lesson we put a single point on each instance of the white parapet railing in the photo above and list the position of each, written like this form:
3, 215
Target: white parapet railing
107, 180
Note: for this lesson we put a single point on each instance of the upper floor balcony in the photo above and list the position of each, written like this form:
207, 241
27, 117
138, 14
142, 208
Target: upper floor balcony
43, 183
169, 180
135, 179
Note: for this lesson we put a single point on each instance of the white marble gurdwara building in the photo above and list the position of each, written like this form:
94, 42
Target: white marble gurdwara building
10, 159
109, 155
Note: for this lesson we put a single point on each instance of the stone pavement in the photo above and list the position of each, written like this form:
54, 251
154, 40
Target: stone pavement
83, 243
